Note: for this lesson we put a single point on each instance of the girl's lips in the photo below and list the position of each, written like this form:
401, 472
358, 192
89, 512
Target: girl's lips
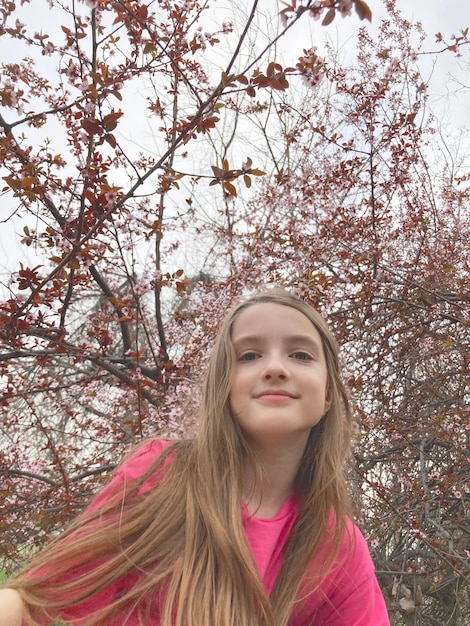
275, 393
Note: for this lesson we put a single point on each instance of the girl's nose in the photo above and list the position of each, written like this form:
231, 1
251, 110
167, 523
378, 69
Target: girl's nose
275, 368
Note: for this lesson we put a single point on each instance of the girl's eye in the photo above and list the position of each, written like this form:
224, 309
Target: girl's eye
248, 356
302, 356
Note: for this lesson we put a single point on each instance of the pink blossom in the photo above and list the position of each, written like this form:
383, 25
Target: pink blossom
110, 198
9, 97
72, 70
82, 137
345, 7
316, 10
48, 49
312, 79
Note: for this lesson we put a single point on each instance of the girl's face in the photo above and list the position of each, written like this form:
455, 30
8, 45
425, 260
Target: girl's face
280, 382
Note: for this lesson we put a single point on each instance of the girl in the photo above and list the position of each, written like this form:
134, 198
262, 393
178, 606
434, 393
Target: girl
246, 524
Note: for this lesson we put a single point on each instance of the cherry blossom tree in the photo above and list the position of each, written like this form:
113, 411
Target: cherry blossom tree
161, 160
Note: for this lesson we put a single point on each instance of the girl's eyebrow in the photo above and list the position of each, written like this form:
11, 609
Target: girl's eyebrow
247, 339
311, 342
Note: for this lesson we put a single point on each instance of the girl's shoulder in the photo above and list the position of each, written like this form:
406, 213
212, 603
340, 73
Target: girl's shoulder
141, 458
349, 593
136, 469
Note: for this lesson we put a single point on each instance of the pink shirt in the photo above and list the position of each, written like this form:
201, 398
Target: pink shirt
348, 596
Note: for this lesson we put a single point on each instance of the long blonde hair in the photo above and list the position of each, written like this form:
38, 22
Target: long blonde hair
182, 541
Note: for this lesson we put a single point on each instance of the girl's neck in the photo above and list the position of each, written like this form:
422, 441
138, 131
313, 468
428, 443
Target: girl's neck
279, 467
265, 507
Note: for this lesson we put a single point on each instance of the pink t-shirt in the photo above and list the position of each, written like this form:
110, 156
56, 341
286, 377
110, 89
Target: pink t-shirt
348, 596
